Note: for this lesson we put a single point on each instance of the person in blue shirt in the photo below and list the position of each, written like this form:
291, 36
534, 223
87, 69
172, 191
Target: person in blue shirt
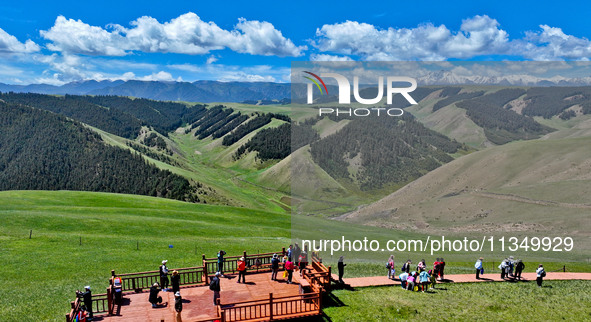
221, 262
425, 279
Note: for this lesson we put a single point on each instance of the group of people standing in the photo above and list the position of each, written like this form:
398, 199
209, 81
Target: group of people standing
512, 268
437, 271
156, 300
420, 278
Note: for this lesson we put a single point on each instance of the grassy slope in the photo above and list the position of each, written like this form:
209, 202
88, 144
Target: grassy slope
457, 196
44, 271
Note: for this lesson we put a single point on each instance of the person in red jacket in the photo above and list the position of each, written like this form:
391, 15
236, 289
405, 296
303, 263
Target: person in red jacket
289, 267
241, 270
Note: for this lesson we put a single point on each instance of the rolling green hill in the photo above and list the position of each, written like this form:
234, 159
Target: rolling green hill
530, 187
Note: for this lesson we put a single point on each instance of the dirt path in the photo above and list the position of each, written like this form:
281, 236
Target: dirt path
530, 201
463, 278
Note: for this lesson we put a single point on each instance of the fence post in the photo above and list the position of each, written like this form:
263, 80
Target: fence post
564, 268
282, 251
320, 298
110, 301
271, 306
205, 279
329, 279
113, 272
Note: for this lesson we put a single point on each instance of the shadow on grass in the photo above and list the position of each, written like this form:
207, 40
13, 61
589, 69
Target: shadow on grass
330, 300
342, 286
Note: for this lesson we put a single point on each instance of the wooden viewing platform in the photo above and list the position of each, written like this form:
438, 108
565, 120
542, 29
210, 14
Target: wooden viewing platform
259, 299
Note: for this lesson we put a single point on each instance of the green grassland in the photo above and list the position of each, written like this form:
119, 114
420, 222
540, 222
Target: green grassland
557, 300
46, 269
41, 274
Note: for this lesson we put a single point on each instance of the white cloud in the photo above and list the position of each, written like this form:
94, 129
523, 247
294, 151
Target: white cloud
551, 43
211, 59
160, 76
246, 77
185, 67
479, 35
186, 34
10, 45
325, 57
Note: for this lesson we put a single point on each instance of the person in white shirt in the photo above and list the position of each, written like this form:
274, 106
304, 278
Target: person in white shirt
540, 273
164, 276
403, 277
479, 268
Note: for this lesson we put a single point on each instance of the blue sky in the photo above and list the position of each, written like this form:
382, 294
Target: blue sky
45, 42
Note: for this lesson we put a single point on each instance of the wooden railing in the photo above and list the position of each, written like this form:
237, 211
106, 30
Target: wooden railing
320, 277
254, 262
100, 305
144, 280
273, 308
74, 311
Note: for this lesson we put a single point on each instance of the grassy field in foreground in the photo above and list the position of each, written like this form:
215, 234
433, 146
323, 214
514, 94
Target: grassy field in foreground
557, 300
40, 275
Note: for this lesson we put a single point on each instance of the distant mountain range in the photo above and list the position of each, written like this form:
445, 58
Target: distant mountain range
445, 77
252, 92
199, 91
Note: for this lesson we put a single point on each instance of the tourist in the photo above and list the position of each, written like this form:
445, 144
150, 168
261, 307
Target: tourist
297, 251
178, 305
215, 287
441, 268
274, 267
87, 297
341, 267
164, 275
511, 266
433, 278
118, 289
406, 266
154, 298
540, 274
303, 261
403, 277
289, 251
82, 314
503, 268
421, 265
175, 281
425, 279
289, 267
479, 267
436, 267
221, 262
519, 267
241, 270
410, 281
390, 267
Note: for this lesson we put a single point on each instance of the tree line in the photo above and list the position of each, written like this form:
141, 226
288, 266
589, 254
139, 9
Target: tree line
44, 151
